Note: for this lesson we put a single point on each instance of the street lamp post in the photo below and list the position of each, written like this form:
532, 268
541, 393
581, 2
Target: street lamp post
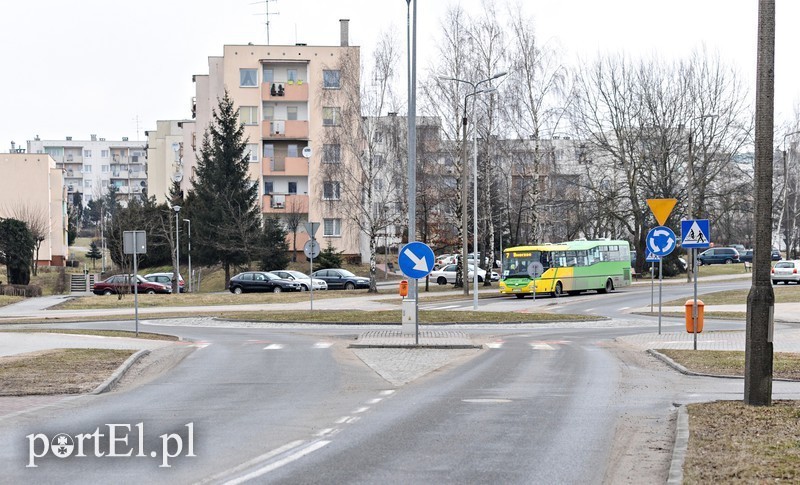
692, 263
786, 190
189, 222
175, 284
464, 265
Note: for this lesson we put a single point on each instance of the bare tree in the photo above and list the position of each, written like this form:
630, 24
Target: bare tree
292, 218
38, 221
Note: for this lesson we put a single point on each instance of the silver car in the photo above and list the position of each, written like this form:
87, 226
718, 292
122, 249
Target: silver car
302, 278
786, 271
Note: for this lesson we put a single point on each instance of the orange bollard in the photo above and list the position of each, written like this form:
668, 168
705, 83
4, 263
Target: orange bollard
404, 288
688, 306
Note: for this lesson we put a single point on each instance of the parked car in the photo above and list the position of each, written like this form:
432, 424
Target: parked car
260, 281
123, 283
447, 274
718, 256
166, 279
341, 278
302, 278
786, 271
739, 247
776, 254
445, 259
746, 256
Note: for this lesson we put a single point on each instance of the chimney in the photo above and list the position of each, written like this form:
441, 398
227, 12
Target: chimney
344, 27
93, 137
13, 147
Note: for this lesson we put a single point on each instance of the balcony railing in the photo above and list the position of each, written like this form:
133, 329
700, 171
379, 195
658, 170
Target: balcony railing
283, 91
285, 166
285, 129
278, 203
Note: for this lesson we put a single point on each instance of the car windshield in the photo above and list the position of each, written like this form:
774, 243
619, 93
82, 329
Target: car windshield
271, 276
298, 275
785, 264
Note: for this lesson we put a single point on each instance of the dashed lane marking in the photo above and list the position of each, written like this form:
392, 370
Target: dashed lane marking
541, 346
312, 447
273, 347
495, 345
322, 345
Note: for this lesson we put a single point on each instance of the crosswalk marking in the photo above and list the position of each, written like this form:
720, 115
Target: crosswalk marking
322, 345
273, 347
495, 345
541, 346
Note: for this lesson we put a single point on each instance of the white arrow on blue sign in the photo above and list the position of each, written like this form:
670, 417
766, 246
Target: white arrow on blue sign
661, 241
416, 260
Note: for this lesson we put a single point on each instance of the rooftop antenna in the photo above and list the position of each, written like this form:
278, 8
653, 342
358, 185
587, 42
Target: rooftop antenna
267, 13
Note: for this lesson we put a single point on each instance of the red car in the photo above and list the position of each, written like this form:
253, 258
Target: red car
122, 283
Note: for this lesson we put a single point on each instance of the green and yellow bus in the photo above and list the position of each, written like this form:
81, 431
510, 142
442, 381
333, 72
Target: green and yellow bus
570, 267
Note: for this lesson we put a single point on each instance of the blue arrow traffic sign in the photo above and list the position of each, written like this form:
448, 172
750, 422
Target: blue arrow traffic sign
661, 241
416, 260
695, 233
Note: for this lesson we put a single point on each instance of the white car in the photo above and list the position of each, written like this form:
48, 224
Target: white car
447, 274
302, 278
786, 271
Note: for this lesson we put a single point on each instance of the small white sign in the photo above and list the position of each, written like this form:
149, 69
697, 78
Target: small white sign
307, 152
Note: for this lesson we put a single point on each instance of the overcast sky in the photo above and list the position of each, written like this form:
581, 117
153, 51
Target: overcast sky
108, 67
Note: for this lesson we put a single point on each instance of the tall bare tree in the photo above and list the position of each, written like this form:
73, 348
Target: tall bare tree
38, 222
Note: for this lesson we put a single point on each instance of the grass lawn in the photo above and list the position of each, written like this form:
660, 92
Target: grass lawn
731, 363
58, 371
783, 294
7, 300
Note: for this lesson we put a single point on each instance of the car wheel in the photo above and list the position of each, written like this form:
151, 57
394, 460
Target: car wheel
728, 261
349, 286
559, 290
520, 296
480, 279
108, 292
699, 262
237, 290
441, 280
151, 292
303, 288
277, 289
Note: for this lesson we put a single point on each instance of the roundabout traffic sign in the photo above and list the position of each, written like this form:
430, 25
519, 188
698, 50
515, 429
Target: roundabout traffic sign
661, 241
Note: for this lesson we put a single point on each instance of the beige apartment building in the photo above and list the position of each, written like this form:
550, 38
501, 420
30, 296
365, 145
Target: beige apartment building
92, 166
32, 190
287, 97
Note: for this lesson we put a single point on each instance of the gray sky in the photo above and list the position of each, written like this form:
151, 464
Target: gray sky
73, 68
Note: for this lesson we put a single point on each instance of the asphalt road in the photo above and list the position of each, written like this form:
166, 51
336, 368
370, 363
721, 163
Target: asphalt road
541, 404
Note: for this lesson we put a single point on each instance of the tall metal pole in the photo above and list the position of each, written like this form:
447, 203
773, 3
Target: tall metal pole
475, 215
176, 285
690, 200
189, 222
411, 20
694, 306
464, 201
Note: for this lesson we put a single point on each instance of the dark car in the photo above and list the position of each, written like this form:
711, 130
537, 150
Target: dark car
341, 278
776, 254
746, 256
260, 281
718, 256
123, 283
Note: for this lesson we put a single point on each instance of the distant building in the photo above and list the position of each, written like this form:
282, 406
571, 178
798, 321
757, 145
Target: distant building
32, 190
92, 166
165, 158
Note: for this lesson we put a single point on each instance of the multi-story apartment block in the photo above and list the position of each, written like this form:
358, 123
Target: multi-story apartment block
287, 96
92, 166
32, 190
165, 158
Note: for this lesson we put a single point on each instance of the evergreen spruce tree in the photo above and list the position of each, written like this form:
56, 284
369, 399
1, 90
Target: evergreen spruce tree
94, 253
274, 248
223, 198
16, 248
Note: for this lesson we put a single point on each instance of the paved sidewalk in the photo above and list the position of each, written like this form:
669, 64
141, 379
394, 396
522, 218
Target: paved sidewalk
785, 340
21, 342
428, 339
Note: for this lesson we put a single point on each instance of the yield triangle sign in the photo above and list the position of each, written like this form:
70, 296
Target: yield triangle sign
661, 208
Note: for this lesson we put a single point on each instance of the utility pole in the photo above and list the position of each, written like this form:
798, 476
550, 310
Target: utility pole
761, 299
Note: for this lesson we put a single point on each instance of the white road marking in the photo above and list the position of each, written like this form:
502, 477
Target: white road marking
387, 392
375, 401
273, 347
322, 345
624, 308
353, 420
326, 431
360, 410
342, 420
254, 461
589, 310
483, 401
273, 466
540, 346
495, 345
447, 307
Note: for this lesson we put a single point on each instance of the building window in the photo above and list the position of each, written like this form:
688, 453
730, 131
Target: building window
291, 75
87, 169
330, 116
269, 150
292, 187
269, 112
87, 153
104, 168
331, 79
87, 183
331, 153
248, 115
54, 152
332, 227
330, 191
248, 78
104, 153
291, 113
268, 75
291, 151
252, 152
267, 187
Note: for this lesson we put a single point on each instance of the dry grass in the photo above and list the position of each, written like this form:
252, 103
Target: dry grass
783, 294
101, 333
58, 371
730, 442
785, 365
7, 300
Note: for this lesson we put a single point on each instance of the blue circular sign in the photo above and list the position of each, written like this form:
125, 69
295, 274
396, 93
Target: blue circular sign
661, 241
416, 260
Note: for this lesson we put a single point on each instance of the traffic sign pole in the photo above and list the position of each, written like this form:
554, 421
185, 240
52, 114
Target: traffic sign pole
660, 279
694, 307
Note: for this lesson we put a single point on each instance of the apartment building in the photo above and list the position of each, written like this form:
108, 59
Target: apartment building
165, 158
287, 97
32, 190
92, 166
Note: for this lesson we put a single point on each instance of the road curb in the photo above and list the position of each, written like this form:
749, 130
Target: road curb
413, 346
121, 370
679, 448
683, 370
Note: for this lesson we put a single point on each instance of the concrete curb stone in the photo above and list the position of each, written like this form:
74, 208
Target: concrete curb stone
121, 370
679, 449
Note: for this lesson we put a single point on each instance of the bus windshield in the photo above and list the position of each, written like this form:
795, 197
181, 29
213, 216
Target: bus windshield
516, 264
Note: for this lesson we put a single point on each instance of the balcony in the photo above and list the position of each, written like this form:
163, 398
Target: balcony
285, 203
284, 91
284, 129
297, 166
117, 158
119, 174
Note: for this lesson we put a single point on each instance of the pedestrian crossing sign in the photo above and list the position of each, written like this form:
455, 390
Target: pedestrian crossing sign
695, 233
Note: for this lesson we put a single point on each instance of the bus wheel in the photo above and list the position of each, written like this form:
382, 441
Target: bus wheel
520, 296
609, 287
559, 290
